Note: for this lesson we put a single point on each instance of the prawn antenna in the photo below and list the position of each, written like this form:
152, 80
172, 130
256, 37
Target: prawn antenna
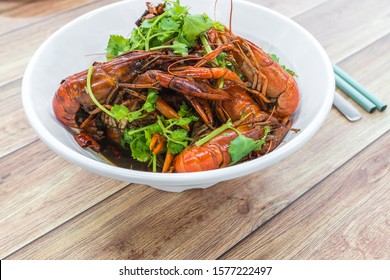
230, 15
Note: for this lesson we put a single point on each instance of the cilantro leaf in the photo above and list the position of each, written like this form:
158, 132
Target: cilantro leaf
179, 135
147, 23
274, 57
119, 112
186, 121
132, 116
240, 148
175, 23
117, 45
184, 111
194, 25
175, 148
138, 140
179, 48
175, 10
261, 142
169, 24
139, 149
219, 26
137, 40
151, 99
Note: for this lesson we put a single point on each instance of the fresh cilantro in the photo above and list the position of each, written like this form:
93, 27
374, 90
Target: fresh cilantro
139, 148
177, 139
151, 99
176, 46
138, 140
175, 25
274, 57
241, 146
214, 133
120, 112
194, 25
179, 134
183, 122
261, 142
169, 24
184, 111
135, 115
175, 10
219, 26
117, 45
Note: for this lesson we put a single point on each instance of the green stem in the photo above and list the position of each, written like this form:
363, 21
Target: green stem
205, 43
214, 133
165, 131
161, 33
154, 158
155, 21
131, 132
92, 96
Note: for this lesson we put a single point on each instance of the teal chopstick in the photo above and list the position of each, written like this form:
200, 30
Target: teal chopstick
379, 104
354, 94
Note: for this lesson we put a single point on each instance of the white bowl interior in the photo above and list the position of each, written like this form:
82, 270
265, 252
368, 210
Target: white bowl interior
76, 45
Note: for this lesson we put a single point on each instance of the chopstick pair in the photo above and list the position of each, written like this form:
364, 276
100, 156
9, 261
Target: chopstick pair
357, 92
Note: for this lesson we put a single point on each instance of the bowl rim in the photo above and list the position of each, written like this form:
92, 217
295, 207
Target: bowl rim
175, 179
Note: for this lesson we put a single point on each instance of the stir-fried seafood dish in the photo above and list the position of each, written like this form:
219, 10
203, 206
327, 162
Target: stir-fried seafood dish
181, 94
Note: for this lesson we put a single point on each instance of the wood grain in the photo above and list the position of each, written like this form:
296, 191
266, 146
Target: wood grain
15, 15
40, 191
37, 33
339, 26
289, 8
350, 220
15, 129
187, 220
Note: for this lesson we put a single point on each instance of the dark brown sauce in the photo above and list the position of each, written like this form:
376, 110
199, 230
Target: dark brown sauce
118, 156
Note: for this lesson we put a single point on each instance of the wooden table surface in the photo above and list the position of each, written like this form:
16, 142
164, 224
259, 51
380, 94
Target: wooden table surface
330, 200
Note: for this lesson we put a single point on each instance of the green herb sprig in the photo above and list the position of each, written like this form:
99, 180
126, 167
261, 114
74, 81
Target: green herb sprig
121, 112
175, 24
177, 138
242, 145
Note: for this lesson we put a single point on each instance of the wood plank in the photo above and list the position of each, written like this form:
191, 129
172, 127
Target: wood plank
344, 27
15, 59
347, 216
289, 8
189, 223
9, 5
200, 224
367, 30
39, 191
18, 14
15, 129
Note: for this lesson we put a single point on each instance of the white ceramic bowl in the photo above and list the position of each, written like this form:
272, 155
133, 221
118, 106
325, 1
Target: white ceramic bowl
69, 51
